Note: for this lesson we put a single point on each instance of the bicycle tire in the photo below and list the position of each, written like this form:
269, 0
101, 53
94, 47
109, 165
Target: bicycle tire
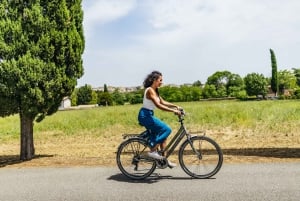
204, 164
132, 159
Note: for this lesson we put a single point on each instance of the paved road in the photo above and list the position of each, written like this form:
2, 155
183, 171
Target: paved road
238, 182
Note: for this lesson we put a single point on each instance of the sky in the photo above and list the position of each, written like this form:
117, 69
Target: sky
186, 40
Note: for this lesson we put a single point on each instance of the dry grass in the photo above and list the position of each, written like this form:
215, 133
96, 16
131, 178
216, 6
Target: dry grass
90, 150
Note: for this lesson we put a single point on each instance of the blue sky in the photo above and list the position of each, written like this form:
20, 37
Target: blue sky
187, 40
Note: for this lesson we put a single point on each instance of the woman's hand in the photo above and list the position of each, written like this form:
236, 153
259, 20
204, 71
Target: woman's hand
177, 111
179, 108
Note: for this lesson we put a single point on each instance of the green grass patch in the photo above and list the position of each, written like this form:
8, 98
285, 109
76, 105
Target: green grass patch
258, 116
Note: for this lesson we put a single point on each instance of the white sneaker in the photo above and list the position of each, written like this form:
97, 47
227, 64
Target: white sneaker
171, 165
155, 155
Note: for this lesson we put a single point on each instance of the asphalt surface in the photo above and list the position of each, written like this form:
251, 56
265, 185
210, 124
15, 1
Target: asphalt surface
234, 182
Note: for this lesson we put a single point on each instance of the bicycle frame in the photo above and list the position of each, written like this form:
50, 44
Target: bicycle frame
176, 139
171, 146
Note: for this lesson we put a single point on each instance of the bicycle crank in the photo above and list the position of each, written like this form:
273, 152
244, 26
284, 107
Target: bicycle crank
162, 163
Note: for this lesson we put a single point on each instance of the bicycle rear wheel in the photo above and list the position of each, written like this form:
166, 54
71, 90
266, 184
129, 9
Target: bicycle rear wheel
132, 159
201, 157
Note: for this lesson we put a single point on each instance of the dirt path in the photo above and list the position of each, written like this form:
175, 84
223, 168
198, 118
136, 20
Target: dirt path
86, 150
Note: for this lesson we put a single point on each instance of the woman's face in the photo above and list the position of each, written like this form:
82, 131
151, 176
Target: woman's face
158, 82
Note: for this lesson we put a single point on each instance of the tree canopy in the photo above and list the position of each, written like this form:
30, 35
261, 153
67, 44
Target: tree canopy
256, 84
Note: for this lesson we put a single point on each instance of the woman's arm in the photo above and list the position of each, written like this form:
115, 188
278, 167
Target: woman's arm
161, 104
168, 104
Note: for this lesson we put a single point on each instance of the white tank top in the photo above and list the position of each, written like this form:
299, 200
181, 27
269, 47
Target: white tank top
148, 103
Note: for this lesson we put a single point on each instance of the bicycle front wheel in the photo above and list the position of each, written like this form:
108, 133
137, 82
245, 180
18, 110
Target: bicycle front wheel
132, 159
200, 157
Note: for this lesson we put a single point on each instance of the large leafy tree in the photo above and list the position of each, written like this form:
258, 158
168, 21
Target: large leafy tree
219, 79
104, 98
286, 81
235, 81
85, 95
209, 91
41, 47
256, 84
274, 79
297, 75
118, 97
224, 81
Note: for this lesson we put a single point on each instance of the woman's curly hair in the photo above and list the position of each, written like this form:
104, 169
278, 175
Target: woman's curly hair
151, 78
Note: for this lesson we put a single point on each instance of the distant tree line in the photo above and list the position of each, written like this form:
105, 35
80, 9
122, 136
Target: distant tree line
283, 84
222, 84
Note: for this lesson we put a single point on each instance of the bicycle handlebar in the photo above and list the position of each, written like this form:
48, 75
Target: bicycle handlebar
182, 111
182, 114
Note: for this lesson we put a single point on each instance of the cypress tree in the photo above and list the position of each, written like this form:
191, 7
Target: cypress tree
274, 78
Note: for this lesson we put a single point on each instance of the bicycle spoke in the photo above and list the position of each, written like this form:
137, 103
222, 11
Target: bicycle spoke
132, 159
202, 158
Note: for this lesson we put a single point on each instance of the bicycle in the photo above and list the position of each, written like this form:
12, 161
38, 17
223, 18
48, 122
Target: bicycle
199, 156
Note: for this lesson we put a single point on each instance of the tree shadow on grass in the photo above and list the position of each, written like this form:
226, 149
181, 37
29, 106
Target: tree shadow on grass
15, 159
265, 152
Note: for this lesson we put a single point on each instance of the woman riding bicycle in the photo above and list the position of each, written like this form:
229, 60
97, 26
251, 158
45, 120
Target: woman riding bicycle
159, 131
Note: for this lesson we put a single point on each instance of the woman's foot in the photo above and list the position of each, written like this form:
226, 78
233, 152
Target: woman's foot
155, 155
171, 165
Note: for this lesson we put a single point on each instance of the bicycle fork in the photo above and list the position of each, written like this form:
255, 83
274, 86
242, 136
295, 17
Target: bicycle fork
198, 153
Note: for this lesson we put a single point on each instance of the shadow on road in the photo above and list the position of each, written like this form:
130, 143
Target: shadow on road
155, 177
15, 159
122, 178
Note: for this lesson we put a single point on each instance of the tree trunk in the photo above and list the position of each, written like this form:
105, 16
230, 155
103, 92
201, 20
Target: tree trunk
27, 146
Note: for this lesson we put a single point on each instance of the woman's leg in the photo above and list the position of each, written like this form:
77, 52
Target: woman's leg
154, 148
162, 130
159, 130
163, 146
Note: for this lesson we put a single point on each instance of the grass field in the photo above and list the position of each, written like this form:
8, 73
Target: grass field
246, 131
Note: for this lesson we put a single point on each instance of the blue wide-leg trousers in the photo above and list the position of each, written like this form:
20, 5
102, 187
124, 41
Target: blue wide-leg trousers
159, 131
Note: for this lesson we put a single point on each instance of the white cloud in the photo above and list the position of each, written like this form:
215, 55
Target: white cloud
104, 11
191, 39
229, 21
